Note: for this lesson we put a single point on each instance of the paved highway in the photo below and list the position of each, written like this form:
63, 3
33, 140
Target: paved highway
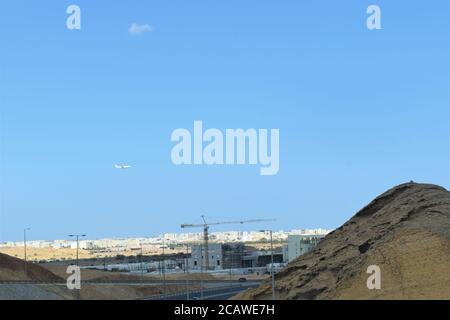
206, 283
212, 290
222, 293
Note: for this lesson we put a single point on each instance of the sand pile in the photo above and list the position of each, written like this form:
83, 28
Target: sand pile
405, 231
14, 269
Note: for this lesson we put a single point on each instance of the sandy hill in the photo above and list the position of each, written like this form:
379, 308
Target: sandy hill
405, 231
13, 269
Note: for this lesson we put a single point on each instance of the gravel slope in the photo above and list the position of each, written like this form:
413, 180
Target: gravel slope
25, 292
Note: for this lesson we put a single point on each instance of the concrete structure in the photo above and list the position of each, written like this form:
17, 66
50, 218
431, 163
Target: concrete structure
221, 256
300, 244
257, 259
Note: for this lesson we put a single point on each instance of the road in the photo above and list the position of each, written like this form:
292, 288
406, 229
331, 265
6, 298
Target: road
222, 293
212, 290
25, 292
206, 283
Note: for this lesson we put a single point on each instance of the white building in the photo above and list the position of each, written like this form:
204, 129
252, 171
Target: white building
198, 260
300, 244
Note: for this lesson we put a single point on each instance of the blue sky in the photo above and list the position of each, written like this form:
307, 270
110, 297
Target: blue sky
359, 111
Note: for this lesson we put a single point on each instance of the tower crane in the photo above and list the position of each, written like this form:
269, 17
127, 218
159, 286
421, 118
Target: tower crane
205, 225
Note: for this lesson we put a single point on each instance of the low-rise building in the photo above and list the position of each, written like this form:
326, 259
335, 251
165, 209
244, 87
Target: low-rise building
300, 244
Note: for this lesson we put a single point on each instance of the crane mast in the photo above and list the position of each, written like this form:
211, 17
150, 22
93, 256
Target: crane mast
205, 243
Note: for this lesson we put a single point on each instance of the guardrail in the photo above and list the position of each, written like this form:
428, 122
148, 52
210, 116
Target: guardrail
93, 282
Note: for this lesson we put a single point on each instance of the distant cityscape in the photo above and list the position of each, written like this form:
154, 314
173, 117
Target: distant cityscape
166, 239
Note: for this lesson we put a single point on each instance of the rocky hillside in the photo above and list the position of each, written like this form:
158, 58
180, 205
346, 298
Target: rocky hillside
405, 231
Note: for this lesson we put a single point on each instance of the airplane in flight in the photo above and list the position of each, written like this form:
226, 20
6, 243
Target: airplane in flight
122, 166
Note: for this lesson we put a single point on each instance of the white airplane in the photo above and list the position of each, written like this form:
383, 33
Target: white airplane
122, 166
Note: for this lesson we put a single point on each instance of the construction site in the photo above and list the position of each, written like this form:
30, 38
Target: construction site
404, 231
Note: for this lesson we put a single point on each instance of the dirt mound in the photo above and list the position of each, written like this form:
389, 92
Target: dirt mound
14, 269
405, 231
91, 274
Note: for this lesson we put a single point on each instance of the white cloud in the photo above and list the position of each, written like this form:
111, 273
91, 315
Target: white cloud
136, 29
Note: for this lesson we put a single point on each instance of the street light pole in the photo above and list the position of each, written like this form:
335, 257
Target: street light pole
164, 264
201, 272
77, 236
186, 267
25, 249
271, 265
231, 270
142, 264
271, 268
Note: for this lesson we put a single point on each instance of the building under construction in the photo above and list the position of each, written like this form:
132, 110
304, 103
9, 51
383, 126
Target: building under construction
220, 256
207, 258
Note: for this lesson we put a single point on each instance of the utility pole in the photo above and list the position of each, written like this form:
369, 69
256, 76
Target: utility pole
25, 249
77, 236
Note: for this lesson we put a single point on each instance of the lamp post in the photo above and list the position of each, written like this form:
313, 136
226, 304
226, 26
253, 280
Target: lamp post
142, 262
201, 273
231, 269
77, 236
186, 269
25, 249
164, 264
271, 265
